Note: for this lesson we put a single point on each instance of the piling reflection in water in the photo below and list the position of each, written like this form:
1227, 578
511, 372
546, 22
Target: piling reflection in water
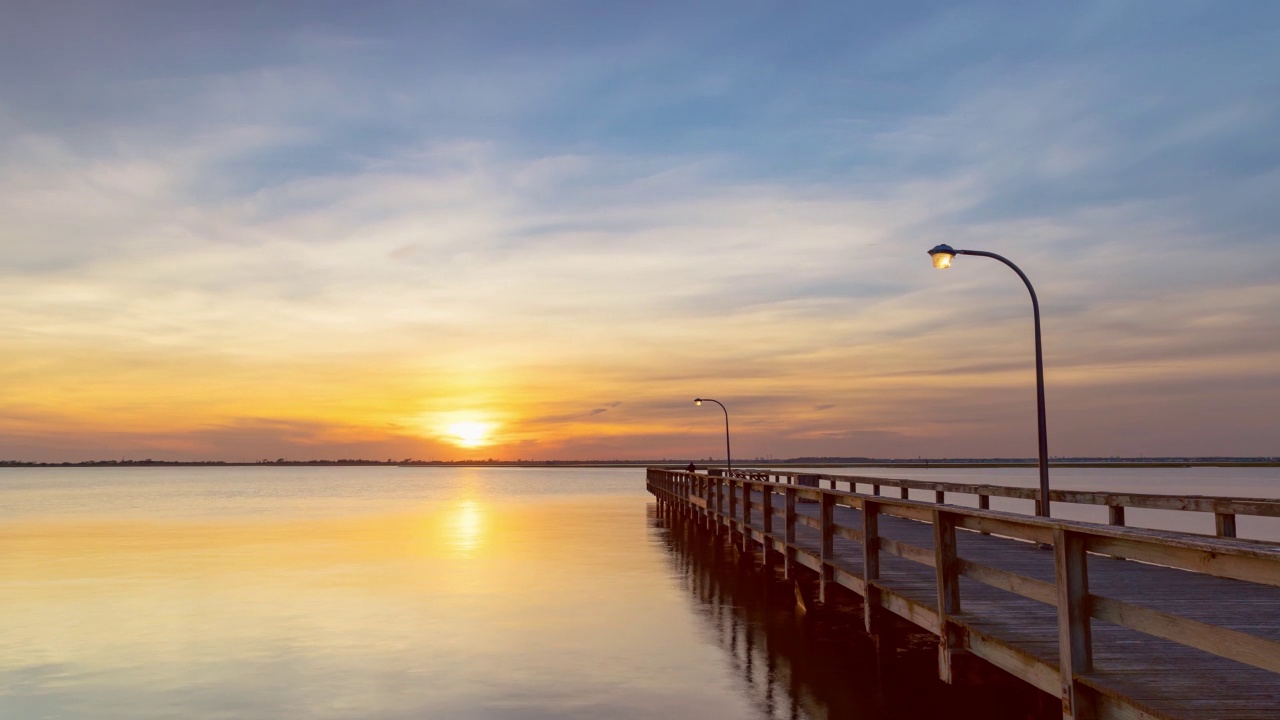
797, 664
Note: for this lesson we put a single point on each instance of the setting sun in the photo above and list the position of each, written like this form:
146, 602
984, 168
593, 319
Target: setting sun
469, 433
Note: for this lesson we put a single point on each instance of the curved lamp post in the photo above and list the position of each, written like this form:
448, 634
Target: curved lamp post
728, 458
942, 257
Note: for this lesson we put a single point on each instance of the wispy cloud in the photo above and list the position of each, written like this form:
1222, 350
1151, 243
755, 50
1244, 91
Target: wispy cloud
325, 224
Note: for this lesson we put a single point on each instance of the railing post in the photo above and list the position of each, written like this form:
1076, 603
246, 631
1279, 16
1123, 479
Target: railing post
903, 493
940, 497
1225, 524
1075, 643
746, 515
719, 481
709, 513
766, 500
789, 531
733, 505
870, 564
875, 490
1115, 515
947, 568
984, 503
828, 553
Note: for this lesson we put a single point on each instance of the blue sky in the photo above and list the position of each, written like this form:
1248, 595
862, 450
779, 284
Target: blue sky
520, 212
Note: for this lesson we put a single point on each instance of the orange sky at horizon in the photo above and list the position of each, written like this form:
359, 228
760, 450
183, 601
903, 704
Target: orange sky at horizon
281, 242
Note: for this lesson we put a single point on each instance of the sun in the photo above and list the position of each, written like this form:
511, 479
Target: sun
469, 433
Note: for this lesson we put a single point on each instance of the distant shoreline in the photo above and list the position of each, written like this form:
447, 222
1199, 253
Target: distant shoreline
915, 464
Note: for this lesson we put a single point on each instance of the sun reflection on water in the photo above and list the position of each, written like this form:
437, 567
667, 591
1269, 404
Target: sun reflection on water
465, 528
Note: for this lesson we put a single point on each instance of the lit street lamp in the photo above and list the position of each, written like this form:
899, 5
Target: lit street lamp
728, 458
942, 257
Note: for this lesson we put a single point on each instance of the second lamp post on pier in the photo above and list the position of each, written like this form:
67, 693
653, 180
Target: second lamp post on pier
942, 257
728, 457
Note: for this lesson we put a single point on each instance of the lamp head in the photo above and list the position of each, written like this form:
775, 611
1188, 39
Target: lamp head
942, 256
697, 401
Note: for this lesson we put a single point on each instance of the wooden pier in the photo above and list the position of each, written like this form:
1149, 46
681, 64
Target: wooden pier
1117, 622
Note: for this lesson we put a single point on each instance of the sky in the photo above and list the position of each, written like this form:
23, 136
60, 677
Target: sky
538, 230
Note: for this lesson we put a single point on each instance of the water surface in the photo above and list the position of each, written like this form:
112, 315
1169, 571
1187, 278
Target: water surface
383, 592
343, 593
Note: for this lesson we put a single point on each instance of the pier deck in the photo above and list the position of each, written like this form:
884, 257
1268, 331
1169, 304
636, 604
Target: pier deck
1187, 627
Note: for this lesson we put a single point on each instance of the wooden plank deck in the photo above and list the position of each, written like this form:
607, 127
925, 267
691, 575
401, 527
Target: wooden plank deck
1133, 674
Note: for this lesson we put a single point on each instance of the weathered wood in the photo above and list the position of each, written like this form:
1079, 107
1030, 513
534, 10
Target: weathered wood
842, 576
909, 552
1224, 524
910, 510
1264, 507
1115, 515
1188, 618
870, 564
766, 510
904, 607
827, 548
1247, 567
994, 525
846, 532
947, 573
789, 530
1014, 661
733, 504
1224, 642
1075, 640
1039, 590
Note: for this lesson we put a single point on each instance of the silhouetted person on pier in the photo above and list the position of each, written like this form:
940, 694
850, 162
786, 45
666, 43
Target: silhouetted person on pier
691, 468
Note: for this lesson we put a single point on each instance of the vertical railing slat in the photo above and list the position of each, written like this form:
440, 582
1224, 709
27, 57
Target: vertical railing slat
870, 564
1225, 524
1115, 515
947, 571
827, 551
1075, 643
789, 530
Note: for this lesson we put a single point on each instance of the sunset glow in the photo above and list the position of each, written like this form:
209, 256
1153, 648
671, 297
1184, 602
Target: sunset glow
470, 434
298, 249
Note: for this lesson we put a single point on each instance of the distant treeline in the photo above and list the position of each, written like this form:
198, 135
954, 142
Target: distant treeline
800, 461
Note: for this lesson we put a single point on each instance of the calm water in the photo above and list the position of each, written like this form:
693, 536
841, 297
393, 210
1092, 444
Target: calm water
414, 592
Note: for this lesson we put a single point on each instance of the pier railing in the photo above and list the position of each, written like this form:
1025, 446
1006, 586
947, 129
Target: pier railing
733, 500
1224, 509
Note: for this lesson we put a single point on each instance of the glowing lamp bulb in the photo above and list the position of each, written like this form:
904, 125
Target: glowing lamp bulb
697, 401
942, 256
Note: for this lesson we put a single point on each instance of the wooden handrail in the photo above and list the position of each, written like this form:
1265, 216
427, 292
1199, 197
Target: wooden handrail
1224, 509
1187, 551
1071, 540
